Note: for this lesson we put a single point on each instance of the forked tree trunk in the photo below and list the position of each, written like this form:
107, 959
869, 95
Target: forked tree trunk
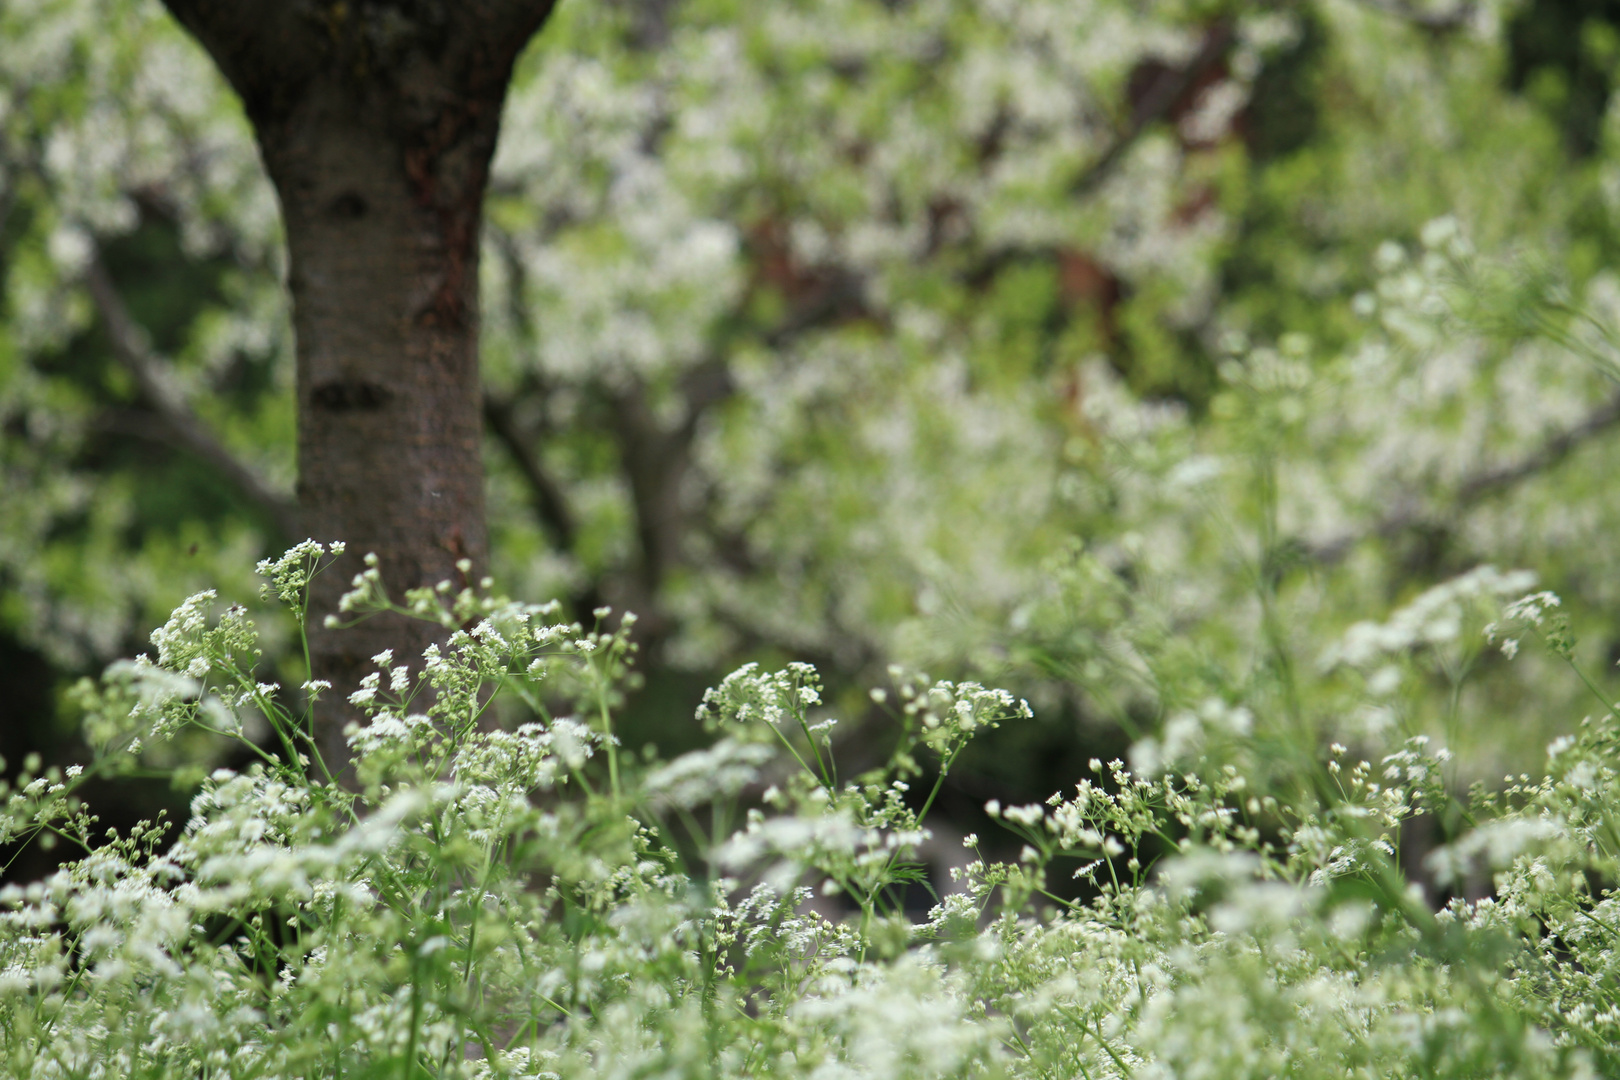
376, 120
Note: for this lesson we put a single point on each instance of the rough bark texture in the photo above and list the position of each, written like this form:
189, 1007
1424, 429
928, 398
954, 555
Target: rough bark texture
376, 121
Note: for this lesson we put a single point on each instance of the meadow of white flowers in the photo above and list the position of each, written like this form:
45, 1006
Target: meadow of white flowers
465, 899
1362, 828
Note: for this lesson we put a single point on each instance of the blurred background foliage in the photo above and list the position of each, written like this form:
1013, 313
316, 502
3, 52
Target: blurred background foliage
1127, 355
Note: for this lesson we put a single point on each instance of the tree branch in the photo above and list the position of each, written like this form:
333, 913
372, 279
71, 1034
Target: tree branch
550, 504
1161, 99
157, 393
654, 462
1433, 22
1168, 89
1477, 486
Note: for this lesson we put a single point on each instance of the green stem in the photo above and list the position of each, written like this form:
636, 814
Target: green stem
1591, 686
608, 742
416, 1021
821, 764
939, 782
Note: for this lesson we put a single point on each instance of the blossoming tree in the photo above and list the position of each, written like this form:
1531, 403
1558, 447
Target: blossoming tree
828, 329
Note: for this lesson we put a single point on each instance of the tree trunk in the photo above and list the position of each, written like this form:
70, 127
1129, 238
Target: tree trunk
376, 122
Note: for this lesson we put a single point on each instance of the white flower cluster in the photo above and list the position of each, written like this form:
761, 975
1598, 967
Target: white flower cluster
505, 903
289, 575
1433, 620
947, 714
749, 696
1530, 613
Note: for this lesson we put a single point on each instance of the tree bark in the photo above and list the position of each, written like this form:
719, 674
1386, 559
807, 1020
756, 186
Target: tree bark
376, 120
